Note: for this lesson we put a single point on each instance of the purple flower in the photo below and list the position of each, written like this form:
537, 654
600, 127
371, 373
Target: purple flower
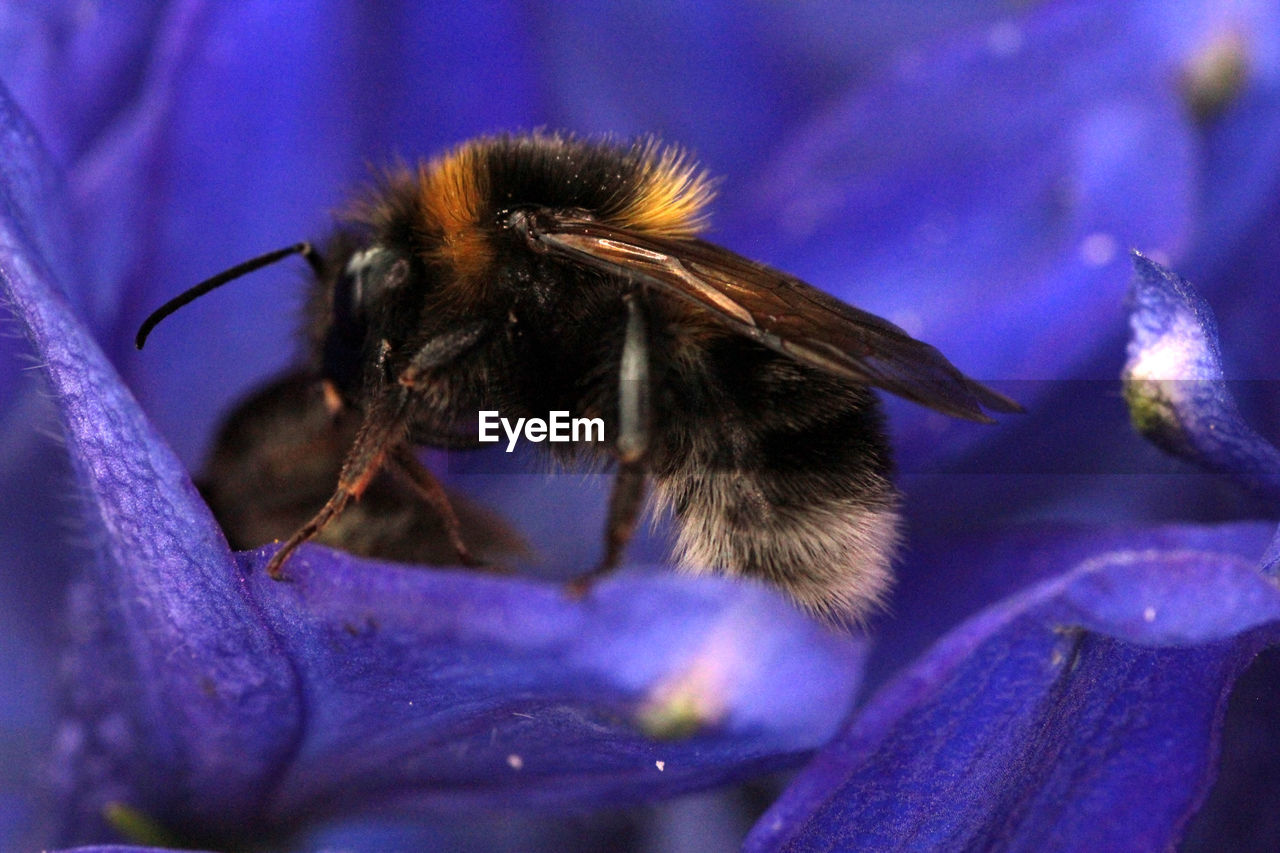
1073, 609
1079, 713
1178, 396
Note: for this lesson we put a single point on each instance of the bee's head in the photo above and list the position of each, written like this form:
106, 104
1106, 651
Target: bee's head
367, 281
368, 284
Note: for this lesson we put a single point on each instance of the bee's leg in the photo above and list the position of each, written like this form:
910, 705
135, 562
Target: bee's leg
444, 349
383, 428
420, 478
439, 351
632, 446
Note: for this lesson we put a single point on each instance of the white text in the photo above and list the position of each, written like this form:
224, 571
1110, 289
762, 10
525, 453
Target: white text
557, 427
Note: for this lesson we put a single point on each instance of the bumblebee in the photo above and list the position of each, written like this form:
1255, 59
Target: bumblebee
532, 273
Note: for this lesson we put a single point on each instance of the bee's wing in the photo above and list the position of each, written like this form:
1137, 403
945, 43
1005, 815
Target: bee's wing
778, 310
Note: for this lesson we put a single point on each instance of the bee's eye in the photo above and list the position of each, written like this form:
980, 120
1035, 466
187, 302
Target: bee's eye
367, 277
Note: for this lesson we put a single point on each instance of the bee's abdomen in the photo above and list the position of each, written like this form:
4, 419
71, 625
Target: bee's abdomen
782, 473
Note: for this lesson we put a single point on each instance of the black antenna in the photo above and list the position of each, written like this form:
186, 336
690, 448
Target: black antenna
220, 279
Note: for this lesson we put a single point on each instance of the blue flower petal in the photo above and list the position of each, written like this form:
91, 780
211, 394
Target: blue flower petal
170, 646
1242, 811
756, 68
1227, 64
34, 208
981, 195
1178, 396
98, 88
1047, 717
1271, 559
445, 688
104, 58
120, 848
1242, 288
946, 579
